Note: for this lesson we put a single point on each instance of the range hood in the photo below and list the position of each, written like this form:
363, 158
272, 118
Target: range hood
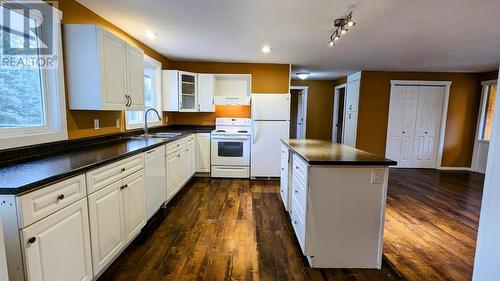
232, 89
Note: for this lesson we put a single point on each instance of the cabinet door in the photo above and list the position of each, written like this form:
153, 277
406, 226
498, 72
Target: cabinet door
134, 204
203, 153
206, 90
185, 166
135, 77
192, 150
106, 224
350, 128
57, 248
173, 174
170, 89
352, 96
113, 71
188, 89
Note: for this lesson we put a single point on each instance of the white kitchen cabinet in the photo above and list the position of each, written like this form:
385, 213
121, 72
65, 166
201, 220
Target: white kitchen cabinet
103, 72
57, 248
284, 180
181, 164
180, 91
351, 109
202, 153
135, 77
206, 90
106, 225
332, 231
173, 172
134, 204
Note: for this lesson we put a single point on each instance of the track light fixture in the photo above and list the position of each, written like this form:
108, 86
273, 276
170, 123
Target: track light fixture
342, 26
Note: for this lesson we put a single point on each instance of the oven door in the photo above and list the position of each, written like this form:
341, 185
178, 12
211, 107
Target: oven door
230, 151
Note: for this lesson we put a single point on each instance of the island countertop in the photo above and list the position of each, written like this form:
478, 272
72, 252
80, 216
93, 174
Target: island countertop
322, 152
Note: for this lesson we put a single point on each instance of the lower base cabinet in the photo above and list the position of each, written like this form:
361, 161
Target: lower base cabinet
57, 248
117, 215
106, 219
181, 164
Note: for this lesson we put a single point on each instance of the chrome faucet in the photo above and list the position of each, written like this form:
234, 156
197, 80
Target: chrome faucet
146, 119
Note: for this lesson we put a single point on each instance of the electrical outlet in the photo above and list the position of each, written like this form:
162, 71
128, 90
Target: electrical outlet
117, 123
96, 124
377, 176
166, 119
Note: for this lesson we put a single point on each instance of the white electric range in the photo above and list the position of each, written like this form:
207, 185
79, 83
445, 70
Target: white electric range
230, 148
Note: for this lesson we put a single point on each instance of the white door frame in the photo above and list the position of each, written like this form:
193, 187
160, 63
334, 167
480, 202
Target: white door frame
335, 118
479, 124
304, 89
444, 112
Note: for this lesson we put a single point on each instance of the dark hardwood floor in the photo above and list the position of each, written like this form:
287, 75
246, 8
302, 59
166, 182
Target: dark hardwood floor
224, 229
431, 223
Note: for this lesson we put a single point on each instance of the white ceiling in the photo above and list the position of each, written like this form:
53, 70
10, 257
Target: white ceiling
391, 35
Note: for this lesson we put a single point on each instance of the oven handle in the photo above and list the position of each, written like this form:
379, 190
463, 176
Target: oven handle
229, 138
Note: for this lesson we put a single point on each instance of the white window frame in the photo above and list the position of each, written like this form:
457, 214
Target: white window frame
482, 110
53, 99
152, 122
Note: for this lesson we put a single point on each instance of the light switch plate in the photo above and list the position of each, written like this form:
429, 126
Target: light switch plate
377, 176
117, 123
96, 124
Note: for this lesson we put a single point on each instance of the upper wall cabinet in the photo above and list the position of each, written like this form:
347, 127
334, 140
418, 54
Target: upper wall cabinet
103, 71
188, 92
232, 89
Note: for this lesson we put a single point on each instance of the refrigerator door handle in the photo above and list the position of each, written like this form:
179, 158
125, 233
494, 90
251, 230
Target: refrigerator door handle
254, 132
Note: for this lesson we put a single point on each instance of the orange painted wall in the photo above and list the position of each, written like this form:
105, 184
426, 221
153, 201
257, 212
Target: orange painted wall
461, 118
266, 78
80, 122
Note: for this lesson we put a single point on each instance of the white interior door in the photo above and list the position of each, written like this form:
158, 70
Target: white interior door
401, 129
300, 116
428, 123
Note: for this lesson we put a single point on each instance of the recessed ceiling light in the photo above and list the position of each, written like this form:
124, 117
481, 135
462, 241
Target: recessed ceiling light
151, 34
303, 75
266, 49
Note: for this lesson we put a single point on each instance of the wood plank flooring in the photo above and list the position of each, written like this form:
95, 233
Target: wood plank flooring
431, 223
224, 229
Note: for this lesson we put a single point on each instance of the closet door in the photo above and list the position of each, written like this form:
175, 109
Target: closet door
401, 127
430, 106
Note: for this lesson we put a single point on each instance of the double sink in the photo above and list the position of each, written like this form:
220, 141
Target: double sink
162, 135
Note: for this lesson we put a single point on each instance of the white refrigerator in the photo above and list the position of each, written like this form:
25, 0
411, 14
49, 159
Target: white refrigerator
270, 124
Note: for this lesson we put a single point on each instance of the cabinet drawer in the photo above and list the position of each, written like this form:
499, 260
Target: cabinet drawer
299, 226
299, 192
45, 201
154, 153
101, 177
300, 167
175, 146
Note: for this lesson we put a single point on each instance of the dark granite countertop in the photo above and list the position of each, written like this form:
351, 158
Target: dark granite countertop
321, 152
30, 174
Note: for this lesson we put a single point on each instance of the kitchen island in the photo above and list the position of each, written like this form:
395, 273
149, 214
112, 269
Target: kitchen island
335, 195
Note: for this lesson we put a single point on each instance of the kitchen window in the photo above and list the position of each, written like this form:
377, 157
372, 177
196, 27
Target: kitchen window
152, 96
488, 104
32, 103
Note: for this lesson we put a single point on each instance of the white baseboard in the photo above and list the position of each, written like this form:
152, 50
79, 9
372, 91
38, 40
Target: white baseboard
455, 168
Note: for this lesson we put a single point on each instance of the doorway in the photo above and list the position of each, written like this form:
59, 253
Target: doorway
339, 113
298, 112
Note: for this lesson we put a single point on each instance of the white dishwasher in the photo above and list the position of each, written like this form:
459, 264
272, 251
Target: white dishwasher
156, 184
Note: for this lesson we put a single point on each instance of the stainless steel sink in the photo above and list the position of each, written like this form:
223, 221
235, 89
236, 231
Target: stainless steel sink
163, 135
